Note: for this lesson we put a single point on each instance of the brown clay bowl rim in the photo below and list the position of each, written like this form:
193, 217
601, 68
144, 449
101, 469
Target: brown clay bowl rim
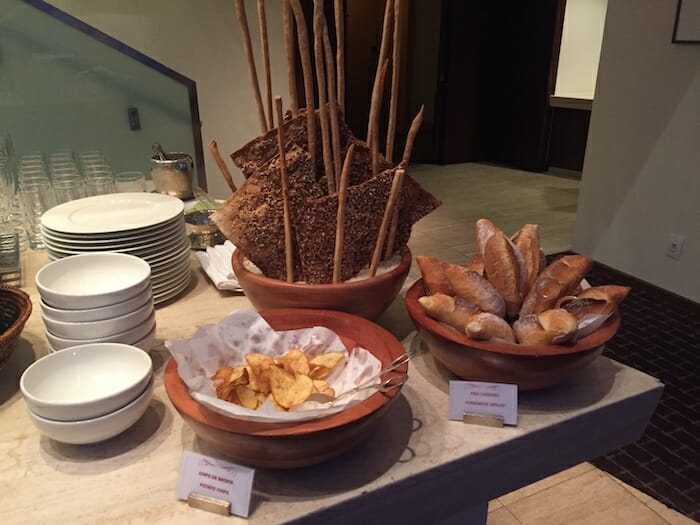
184, 403
422, 319
260, 280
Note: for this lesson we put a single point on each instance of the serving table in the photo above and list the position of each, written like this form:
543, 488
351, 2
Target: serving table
417, 468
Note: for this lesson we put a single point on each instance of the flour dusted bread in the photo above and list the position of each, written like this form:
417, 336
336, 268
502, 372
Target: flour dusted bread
527, 241
557, 280
450, 310
474, 288
433, 274
555, 326
486, 326
503, 270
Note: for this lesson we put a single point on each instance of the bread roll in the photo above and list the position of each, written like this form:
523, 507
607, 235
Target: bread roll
474, 289
452, 311
476, 264
555, 326
558, 279
503, 270
527, 241
486, 326
433, 274
612, 293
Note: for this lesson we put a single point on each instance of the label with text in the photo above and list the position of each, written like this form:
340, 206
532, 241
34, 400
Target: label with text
493, 399
216, 478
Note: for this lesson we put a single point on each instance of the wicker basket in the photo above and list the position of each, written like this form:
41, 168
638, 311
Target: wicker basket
15, 308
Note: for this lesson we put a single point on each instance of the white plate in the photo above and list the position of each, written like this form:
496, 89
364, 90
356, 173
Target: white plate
145, 246
160, 232
170, 274
167, 295
115, 212
172, 281
146, 251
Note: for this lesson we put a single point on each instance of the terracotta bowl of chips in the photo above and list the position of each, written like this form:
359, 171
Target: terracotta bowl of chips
366, 298
294, 444
531, 367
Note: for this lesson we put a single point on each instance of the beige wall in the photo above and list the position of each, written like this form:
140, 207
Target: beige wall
579, 53
199, 39
641, 176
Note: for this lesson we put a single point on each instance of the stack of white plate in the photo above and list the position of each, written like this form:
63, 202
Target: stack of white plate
148, 225
97, 298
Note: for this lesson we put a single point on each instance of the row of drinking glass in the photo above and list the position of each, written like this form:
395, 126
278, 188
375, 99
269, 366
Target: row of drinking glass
42, 185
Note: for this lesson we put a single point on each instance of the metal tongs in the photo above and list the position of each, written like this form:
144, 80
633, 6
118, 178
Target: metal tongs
392, 382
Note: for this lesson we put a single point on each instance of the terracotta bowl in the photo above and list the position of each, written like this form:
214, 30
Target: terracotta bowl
294, 444
366, 298
531, 367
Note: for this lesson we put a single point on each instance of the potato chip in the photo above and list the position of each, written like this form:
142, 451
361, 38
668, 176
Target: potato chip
319, 372
322, 387
260, 365
329, 359
289, 389
247, 397
295, 361
287, 381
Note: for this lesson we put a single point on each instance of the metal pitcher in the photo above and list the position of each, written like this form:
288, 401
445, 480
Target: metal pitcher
173, 175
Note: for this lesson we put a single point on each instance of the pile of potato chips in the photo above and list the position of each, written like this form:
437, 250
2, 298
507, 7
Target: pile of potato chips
287, 380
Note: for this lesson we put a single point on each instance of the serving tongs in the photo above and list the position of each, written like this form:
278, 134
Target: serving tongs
393, 382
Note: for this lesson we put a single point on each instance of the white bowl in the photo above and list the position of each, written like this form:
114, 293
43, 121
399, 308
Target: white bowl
128, 337
97, 314
92, 280
147, 342
97, 329
96, 429
85, 381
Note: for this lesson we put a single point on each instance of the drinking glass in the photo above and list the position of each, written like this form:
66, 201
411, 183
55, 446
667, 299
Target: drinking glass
99, 182
68, 188
130, 181
36, 197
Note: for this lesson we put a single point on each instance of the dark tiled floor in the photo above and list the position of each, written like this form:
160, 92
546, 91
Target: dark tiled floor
660, 335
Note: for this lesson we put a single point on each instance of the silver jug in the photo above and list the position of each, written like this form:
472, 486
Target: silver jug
173, 175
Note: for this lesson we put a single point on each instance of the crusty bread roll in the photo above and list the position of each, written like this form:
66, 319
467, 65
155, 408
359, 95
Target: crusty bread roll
486, 326
558, 279
503, 270
485, 229
476, 264
612, 293
474, 289
450, 310
527, 241
433, 274
555, 326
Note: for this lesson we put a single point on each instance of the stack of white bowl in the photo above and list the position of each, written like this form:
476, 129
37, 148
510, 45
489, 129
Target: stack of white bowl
97, 298
88, 393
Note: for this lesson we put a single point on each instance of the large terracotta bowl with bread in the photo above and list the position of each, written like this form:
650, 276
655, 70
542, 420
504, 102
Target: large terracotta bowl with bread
531, 367
366, 298
295, 444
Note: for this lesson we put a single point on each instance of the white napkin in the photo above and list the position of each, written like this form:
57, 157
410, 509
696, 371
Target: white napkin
216, 263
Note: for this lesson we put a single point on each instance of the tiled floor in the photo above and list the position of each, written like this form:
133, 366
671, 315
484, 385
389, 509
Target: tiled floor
582, 494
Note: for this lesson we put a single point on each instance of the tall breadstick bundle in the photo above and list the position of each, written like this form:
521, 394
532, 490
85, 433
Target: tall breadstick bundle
319, 21
378, 88
288, 24
248, 48
264, 45
288, 244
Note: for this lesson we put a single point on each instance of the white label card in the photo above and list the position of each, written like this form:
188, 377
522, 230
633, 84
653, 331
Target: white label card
216, 478
493, 399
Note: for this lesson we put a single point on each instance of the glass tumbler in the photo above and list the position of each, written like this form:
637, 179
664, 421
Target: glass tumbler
36, 197
127, 181
99, 182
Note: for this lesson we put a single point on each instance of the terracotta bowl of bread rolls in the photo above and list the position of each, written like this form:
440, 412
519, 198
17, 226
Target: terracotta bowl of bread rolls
531, 367
508, 316
295, 444
366, 298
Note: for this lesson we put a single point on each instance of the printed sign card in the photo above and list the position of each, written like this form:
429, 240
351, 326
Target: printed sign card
493, 399
216, 478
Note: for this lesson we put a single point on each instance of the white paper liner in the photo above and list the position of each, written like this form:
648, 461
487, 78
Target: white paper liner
227, 342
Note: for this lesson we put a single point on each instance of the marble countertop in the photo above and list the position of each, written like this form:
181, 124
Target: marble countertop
419, 466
